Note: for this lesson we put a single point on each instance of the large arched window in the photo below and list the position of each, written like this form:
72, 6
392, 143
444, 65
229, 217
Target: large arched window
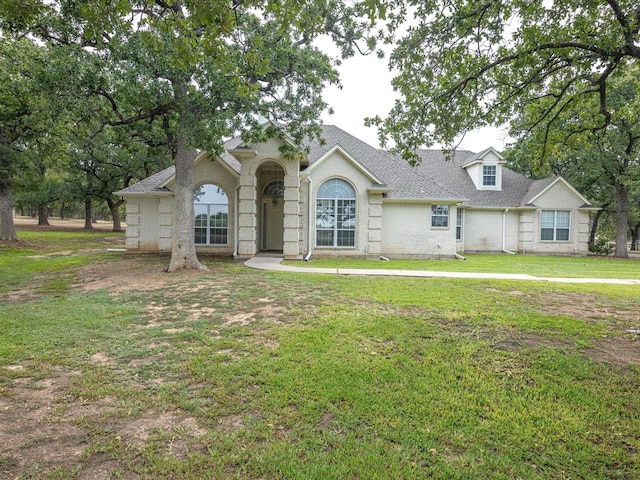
211, 215
336, 214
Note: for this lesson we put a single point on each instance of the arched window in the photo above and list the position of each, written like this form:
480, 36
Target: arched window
336, 214
211, 215
274, 190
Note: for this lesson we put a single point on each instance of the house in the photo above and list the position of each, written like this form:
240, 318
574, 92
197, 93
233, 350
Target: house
347, 198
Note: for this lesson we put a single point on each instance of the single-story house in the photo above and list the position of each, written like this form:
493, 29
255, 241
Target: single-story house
347, 198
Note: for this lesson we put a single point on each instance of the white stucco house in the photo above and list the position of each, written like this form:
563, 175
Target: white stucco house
347, 198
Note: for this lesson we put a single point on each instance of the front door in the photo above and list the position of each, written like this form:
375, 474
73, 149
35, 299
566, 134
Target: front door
273, 216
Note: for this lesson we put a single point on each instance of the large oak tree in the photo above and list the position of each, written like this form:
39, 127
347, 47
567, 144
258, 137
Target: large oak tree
207, 68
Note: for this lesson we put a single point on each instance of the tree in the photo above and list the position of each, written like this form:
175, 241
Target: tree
207, 67
22, 103
603, 161
464, 64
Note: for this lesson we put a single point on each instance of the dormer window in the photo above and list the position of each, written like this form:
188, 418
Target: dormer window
485, 169
489, 174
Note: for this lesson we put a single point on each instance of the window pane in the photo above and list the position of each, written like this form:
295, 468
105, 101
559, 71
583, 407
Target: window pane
218, 236
563, 219
324, 238
439, 215
201, 236
336, 188
562, 234
346, 238
548, 219
546, 234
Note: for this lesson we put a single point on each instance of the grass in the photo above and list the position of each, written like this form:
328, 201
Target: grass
246, 374
537, 265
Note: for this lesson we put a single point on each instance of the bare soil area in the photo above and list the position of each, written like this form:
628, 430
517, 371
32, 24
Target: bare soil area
71, 224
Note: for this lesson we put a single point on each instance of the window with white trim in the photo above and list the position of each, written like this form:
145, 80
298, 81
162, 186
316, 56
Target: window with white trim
211, 213
459, 224
555, 225
336, 214
489, 175
440, 216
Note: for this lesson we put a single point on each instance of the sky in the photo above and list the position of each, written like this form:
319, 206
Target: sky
367, 91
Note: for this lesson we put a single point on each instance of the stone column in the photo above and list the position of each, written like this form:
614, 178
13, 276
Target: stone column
374, 234
247, 218
291, 234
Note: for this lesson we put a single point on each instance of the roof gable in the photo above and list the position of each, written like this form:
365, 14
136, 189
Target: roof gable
479, 157
540, 187
344, 153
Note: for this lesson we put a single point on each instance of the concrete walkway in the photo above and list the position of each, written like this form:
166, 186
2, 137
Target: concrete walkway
272, 262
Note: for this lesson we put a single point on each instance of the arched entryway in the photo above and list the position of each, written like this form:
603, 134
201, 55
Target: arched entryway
271, 207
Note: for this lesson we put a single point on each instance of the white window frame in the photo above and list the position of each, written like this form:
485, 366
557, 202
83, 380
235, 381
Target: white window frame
211, 224
489, 174
336, 214
440, 214
555, 221
459, 221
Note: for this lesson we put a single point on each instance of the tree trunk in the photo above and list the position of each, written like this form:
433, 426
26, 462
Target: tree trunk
183, 248
114, 208
7, 227
594, 224
88, 212
43, 215
622, 222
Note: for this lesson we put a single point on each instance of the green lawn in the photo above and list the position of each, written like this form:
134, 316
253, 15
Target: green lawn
237, 373
537, 265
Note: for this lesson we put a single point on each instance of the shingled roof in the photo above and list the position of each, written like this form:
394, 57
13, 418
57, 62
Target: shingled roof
516, 191
435, 178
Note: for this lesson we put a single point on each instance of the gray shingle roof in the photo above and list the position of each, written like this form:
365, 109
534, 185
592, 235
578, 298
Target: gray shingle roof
150, 185
406, 182
514, 185
434, 178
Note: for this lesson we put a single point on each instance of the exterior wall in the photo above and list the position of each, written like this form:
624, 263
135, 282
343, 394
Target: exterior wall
482, 231
558, 197
303, 202
407, 232
144, 223
337, 166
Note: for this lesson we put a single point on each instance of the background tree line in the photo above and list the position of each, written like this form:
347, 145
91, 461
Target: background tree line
98, 94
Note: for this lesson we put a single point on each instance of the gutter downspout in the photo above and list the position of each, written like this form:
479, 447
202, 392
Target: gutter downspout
504, 233
236, 217
308, 255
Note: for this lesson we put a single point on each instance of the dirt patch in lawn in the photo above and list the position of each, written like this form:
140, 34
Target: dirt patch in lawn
44, 429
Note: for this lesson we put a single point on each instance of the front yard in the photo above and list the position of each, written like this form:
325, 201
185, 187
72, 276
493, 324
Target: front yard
110, 368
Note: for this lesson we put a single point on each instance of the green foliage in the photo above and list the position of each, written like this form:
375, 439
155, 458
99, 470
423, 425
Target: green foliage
464, 64
192, 74
601, 161
601, 247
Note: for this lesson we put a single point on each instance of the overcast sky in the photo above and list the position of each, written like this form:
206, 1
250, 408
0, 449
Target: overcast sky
367, 92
